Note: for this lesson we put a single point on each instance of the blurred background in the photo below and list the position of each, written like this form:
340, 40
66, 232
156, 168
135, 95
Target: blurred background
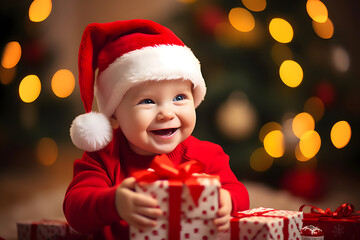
283, 95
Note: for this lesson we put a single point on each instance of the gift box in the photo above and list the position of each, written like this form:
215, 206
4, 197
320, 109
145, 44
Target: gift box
47, 229
189, 201
343, 223
264, 223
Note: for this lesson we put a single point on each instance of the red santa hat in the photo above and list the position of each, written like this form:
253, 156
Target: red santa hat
126, 53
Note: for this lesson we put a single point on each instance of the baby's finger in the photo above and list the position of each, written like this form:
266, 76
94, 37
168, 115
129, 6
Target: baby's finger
129, 183
222, 223
222, 211
139, 221
149, 212
142, 200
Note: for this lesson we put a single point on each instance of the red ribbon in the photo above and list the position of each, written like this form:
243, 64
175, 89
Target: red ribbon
164, 169
235, 228
346, 211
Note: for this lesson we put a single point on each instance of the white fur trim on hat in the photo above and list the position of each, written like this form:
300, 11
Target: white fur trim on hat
160, 62
91, 131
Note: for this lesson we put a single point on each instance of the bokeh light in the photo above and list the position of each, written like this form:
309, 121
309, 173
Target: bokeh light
281, 30
39, 10
303, 122
317, 10
47, 151
63, 83
236, 118
11, 55
299, 155
268, 127
291, 73
315, 107
29, 88
340, 58
255, 5
326, 92
227, 36
310, 143
340, 134
7, 75
287, 129
241, 19
260, 161
324, 30
209, 17
281, 52
274, 143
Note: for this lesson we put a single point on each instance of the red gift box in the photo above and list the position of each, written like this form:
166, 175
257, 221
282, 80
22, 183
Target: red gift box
189, 200
343, 223
47, 229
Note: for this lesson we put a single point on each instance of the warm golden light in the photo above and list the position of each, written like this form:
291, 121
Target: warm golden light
291, 73
281, 30
11, 55
315, 107
317, 10
63, 83
227, 36
241, 19
303, 122
255, 5
268, 127
340, 134
274, 143
39, 10
324, 30
309, 144
47, 151
236, 118
260, 161
7, 75
299, 156
29, 88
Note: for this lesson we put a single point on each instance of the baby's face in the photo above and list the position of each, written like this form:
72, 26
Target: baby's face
156, 116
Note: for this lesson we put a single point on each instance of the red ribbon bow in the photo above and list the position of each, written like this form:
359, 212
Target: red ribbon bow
162, 168
346, 210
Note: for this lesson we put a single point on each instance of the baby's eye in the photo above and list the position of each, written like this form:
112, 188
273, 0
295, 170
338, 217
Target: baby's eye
179, 97
146, 101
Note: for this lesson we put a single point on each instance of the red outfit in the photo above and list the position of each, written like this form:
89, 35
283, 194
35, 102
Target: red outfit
89, 204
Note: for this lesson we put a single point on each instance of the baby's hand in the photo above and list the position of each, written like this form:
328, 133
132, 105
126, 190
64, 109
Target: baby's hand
138, 210
222, 222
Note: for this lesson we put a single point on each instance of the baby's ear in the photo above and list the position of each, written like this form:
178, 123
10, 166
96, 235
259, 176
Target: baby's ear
114, 123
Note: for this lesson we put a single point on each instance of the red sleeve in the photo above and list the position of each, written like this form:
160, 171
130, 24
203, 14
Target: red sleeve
89, 201
216, 162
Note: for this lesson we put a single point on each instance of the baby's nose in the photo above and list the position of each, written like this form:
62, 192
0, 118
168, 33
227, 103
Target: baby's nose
165, 115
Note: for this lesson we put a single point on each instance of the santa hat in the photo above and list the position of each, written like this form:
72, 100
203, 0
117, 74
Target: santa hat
126, 53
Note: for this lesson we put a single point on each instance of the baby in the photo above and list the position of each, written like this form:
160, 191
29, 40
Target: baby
147, 89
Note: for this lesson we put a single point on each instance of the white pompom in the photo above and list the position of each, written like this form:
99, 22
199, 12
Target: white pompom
91, 131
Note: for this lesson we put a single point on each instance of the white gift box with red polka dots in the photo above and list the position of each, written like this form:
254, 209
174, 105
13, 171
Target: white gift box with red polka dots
196, 221
263, 224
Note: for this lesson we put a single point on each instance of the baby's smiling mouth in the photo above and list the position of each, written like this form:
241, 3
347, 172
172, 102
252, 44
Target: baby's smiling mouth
165, 132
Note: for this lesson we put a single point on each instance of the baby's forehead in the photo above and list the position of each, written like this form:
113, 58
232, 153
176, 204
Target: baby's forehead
153, 87
165, 83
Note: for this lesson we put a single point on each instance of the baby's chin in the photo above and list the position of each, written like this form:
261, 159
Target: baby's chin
152, 150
